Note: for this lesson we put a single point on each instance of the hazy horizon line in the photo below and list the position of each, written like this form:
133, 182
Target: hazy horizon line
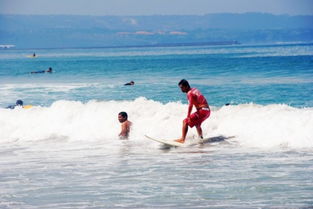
117, 15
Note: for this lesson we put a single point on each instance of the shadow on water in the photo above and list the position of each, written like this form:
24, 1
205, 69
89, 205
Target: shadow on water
214, 139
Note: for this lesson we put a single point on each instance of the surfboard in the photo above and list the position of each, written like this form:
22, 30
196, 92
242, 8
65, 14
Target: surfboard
27, 106
172, 143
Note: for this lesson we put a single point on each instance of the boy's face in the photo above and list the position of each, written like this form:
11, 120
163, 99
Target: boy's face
183, 88
121, 118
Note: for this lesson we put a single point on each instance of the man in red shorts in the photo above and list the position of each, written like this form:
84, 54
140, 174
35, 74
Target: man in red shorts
195, 98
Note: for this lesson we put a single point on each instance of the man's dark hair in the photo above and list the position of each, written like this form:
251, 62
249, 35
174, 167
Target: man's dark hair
123, 114
19, 102
184, 82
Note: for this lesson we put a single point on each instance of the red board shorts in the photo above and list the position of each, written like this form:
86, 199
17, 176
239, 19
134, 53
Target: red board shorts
196, 118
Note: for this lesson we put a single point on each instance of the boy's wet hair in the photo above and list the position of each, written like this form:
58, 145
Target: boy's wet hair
184, 82
19, 102
123, 114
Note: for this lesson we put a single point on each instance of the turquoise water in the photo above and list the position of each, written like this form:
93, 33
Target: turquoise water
233, 74
64, 151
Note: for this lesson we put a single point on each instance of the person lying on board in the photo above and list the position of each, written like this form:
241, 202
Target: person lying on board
19, 103
43, 71
195, 98
131, 83
125, 125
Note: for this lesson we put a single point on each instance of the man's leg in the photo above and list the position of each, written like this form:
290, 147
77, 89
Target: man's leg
184, 132
199, 130
203, 115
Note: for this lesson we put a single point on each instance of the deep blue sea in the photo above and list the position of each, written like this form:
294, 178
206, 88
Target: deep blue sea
64, 151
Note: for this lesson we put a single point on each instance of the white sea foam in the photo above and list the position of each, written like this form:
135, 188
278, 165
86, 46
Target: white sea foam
276, 51
54, 87
252, 125
267, 126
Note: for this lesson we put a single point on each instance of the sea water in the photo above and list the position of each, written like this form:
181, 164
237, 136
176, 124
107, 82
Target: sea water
64, 152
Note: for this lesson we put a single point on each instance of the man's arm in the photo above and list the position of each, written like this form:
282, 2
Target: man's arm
190, 100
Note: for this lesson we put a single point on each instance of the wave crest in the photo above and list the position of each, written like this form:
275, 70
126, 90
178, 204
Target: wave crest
253, 125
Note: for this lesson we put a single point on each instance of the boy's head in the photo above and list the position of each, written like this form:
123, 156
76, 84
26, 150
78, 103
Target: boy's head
19, 102
122, 117
184, 85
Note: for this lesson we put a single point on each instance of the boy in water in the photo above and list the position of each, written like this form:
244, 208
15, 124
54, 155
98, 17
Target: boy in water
19, 103
125, 125
195, 98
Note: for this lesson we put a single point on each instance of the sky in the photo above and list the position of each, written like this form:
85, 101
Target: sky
154, 7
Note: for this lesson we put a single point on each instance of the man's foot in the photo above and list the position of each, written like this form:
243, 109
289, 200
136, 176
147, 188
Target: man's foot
180, 140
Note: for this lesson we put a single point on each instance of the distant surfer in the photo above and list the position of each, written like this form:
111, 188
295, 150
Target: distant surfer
49, 70
131, 83
43, 71
195, 98
34, 55
19, 103
125, 125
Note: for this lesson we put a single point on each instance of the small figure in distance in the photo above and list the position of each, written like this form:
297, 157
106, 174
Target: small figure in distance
34, 55
131, 83
49, 70
18, 103
125, 125
195, 98
43, 71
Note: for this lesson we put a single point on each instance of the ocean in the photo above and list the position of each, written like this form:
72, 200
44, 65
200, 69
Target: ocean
64, 151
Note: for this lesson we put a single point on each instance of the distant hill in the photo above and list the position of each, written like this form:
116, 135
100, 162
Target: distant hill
46, 31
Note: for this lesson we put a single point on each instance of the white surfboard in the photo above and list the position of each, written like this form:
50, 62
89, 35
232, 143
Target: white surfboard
172, 143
